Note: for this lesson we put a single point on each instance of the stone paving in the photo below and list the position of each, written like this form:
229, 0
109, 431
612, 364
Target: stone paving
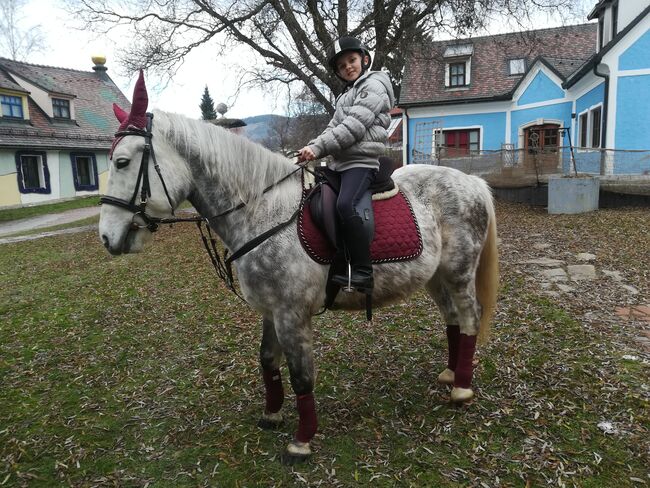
48, 220
556, 278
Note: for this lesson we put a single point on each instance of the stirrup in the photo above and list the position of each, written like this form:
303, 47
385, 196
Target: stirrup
348, 288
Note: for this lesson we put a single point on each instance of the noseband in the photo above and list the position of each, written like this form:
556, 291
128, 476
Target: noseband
142, 183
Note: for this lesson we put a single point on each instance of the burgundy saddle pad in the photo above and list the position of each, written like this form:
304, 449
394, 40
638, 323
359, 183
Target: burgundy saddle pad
397, 235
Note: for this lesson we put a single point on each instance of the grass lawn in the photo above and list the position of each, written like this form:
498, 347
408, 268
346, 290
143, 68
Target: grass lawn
36, 210
142, 371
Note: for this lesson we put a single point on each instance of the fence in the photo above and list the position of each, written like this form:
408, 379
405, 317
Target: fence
509, 167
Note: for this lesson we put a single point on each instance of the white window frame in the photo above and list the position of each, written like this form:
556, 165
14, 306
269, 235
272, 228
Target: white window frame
42, 184
439, 136
468, 73
590, 123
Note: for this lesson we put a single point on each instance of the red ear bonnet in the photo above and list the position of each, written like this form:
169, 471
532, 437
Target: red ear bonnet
138, 115
120, 114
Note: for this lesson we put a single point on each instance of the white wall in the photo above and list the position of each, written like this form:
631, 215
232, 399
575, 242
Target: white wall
628, 10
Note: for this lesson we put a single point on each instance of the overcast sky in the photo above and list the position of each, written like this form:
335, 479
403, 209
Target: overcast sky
70, 48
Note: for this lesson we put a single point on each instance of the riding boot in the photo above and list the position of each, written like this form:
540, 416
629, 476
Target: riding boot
356, 243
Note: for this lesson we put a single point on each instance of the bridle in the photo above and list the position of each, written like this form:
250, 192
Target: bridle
142, 184
222, 264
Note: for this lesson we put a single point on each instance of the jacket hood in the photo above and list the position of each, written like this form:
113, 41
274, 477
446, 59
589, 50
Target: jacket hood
383, 78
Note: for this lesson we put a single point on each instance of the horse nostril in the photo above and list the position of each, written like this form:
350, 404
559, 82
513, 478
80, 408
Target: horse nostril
105, 241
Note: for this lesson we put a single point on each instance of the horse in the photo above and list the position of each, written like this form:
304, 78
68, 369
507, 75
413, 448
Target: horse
243, 190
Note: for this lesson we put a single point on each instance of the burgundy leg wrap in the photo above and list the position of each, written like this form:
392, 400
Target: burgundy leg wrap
274, 390
464, 369
453, 342
307, 423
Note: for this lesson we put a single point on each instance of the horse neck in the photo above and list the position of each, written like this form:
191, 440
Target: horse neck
219, 186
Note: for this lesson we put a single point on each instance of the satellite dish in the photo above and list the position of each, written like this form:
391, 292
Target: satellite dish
222, 108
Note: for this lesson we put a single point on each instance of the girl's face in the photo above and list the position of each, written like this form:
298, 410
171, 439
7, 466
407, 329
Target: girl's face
348, 65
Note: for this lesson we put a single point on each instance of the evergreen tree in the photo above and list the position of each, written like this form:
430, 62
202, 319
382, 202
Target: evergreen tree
207, 106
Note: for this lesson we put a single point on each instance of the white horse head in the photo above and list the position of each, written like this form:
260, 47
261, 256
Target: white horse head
136, 191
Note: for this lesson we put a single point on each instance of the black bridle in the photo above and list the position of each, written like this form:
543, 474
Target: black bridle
222, 264
143, 186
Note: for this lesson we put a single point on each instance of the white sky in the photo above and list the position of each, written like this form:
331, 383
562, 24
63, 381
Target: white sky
70, 48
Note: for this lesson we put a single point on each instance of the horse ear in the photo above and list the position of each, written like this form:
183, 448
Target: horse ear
120, 115
137, 117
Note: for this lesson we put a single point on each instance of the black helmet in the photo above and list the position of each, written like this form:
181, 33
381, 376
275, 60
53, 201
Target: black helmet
347, 44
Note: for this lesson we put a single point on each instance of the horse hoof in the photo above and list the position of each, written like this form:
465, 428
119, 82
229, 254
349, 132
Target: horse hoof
446, 377
461, 395
295, 453
270, 421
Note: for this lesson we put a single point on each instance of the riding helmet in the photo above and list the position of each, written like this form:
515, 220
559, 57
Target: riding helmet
345, 44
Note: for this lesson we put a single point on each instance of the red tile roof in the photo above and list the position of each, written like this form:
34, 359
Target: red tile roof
566, 49
93, 94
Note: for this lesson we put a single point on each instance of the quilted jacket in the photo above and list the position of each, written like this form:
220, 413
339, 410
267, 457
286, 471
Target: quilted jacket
357, 134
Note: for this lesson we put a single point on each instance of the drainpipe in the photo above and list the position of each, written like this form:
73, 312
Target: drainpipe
603, 134
405, 137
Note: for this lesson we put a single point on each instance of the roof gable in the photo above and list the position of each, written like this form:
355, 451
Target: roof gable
540, 89
565, 49
637, 55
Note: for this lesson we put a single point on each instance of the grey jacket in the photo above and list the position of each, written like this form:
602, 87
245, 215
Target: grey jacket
357, 134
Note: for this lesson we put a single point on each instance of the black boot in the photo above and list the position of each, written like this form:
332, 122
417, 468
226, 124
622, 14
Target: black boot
356, 242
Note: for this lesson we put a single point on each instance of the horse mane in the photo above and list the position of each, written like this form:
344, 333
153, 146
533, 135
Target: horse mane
243, 167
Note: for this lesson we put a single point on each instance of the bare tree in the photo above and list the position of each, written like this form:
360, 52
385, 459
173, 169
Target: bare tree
15, 41
292, 37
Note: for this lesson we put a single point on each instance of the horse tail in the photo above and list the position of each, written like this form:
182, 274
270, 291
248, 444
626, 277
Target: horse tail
487, 275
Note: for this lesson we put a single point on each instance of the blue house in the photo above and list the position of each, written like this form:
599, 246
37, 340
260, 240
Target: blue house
507, 98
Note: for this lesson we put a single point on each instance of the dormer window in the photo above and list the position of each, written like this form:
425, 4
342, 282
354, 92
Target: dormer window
516, 66
61, 108
457, 74
458, 65
12, 106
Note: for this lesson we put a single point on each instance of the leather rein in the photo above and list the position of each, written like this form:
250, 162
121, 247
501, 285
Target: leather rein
222, 263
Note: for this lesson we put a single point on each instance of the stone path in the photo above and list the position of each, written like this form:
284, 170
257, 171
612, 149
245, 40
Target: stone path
49, 220
556, 278
31, 237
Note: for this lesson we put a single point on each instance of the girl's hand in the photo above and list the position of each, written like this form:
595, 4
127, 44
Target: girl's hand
306, 154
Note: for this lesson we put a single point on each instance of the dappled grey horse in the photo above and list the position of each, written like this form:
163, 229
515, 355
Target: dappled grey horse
217, 170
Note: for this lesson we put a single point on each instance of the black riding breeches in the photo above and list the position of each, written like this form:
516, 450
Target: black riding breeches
354, 183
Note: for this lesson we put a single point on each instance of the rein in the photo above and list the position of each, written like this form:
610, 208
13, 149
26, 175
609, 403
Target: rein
222, 263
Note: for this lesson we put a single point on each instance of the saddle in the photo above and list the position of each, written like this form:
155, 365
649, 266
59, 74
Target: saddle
388, 218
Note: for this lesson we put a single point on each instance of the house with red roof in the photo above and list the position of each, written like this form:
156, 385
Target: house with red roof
56, 129
584, 86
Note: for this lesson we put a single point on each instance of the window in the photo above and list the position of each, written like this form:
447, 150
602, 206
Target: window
33, 175
595, 126
84, 171
460, 142
584, 126
457, 74
614, 19
11, 106
516, 66
61, 108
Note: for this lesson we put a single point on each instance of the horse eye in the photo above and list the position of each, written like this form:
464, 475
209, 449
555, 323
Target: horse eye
122, 163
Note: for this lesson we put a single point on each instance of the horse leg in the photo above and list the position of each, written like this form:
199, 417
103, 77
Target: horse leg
440, 295
270, 357
295, 337
463, 295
